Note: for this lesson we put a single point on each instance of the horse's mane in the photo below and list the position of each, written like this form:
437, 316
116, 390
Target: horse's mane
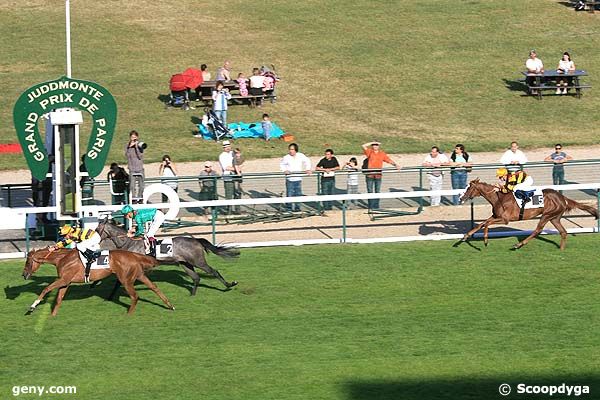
113, 224
476, 181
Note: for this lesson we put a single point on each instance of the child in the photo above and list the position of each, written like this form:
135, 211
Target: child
243, 83
266, 126
352, 182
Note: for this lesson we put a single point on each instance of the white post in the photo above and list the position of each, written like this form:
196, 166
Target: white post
68, 23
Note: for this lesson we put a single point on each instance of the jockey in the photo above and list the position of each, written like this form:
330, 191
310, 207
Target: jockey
516, 181
87, 241
152, 215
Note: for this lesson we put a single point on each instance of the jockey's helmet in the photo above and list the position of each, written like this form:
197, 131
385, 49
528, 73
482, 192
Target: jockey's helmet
66, 229
500, 172
127, 209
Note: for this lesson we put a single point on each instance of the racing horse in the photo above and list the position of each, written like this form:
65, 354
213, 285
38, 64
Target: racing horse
187, 252
505, 209
127, 266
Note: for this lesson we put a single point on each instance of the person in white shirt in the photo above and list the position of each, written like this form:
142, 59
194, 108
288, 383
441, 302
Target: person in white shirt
226, 162
257, 85
534, 66
513, 156
291, 164
435, 160
565, 66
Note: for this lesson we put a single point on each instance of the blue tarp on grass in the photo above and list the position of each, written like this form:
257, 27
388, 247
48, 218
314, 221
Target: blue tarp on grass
244, 130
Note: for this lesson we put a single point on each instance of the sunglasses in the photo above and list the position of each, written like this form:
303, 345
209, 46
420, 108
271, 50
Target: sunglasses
557, 148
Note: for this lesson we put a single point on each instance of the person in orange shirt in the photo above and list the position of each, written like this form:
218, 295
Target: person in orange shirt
376, 157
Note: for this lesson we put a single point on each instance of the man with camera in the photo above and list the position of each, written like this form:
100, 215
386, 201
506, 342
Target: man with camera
134, 151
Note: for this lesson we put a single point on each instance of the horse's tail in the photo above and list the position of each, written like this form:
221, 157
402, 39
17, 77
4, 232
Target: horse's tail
221, 251
572, 204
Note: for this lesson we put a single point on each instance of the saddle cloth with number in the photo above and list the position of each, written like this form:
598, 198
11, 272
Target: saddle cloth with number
164, 248
537, 200
100, 263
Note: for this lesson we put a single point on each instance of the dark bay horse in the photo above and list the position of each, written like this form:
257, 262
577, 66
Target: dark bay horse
187, 251
127, 266
505, 209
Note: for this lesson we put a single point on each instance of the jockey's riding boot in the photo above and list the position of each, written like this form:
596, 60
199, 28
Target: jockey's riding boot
88, 267
152, 246
90, 256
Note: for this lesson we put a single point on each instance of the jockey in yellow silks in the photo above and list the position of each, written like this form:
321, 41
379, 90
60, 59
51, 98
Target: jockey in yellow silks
517, 182
87, 242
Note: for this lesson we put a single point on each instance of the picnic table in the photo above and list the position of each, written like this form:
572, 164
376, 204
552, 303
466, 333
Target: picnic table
234, 89
538, 83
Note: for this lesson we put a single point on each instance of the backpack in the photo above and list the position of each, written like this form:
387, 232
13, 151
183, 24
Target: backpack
365, 164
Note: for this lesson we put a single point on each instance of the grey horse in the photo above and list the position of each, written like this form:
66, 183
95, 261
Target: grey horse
187, 252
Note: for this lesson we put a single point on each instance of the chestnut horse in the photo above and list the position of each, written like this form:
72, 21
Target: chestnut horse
505, 209
127, 266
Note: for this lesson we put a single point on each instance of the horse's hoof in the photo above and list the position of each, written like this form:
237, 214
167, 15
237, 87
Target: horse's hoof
172, 308
233, 283
31, 309
516, 247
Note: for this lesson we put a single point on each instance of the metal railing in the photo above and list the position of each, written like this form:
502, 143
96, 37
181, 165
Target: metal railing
267, 185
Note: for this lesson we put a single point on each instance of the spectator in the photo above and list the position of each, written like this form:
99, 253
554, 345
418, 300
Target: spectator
435, 160
220, 97
266, 125
226, 162
352, 179
223, 73
84, 176
41, 192
513, 156
257, 85
376, 157
238, 161
208, 184
134, 151
460, 162
168, 174
243, 84
534, 66
327, 166
559, 158
205, 91
118, 180
291, 165
269, 82
566, 66
205, 74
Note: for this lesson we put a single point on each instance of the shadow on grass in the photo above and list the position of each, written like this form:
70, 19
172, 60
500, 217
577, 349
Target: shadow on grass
515, 85
470, 388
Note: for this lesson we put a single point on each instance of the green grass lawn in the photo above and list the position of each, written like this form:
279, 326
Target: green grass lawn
411, 74
394, 321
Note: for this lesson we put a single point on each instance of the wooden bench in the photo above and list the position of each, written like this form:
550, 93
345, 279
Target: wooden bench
553, 87
239, 99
